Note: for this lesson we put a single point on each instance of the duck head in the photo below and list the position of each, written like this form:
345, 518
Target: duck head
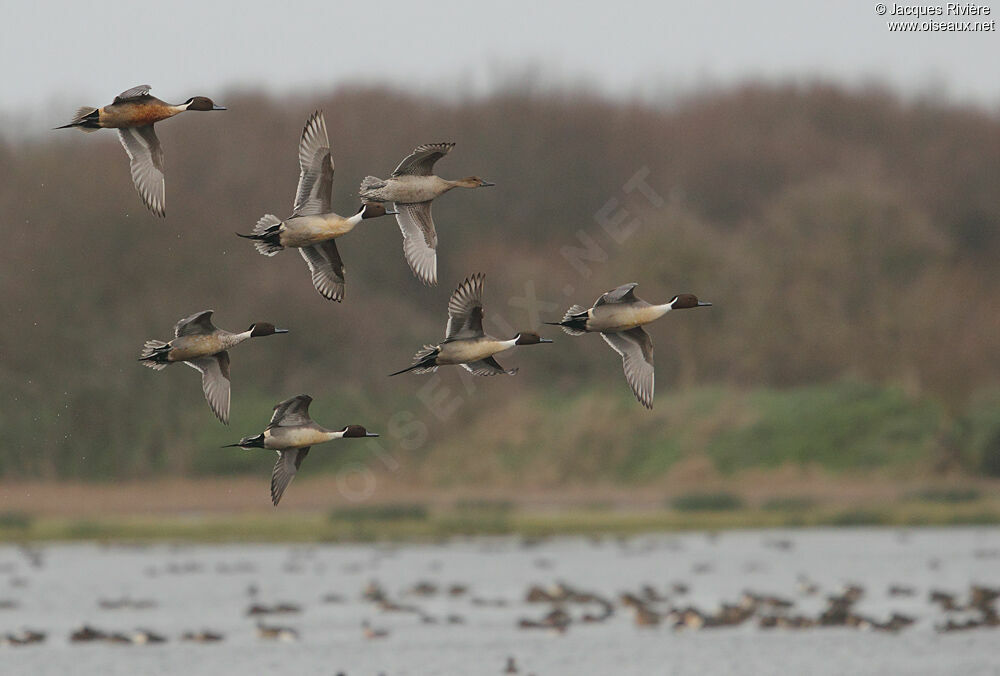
357, 431
258, 329
686, 300
473, 182
374, 210
202, 103
529, 338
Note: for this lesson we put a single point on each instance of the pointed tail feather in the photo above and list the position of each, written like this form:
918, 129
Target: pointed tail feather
574, 322
425, 361
86, 118
154, 354
266, 235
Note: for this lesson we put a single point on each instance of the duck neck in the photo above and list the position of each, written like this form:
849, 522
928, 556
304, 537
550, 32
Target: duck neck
660, 310
356, 218
507, 344
235, 338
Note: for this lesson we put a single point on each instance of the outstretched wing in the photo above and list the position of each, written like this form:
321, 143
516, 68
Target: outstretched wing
623, 294
636, 350
315, 192
133, 93
284, 471
421, 161
326, 267
419, 239
487, 367
146, 162
465, 309
291, 412
215, 382
200, 323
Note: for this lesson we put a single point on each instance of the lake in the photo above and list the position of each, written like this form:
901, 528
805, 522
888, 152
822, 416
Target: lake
56, 588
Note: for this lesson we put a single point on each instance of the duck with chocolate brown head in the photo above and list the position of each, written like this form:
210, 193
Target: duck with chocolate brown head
465, 343
619, 316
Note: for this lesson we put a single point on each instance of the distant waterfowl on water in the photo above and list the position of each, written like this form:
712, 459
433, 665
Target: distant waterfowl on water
204, 347
618, 316
291, 433
313, 227
411, 188
465, 342
133, 113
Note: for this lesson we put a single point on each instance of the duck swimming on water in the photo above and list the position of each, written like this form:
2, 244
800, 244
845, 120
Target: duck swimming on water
411, 188
465, 341
313, 227
203, 346
618, 316
133, 113
291, 433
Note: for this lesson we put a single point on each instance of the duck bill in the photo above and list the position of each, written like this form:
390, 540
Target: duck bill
390, 212
370, 434
281, 330
545, 340
487, 184
704, 304
218, 107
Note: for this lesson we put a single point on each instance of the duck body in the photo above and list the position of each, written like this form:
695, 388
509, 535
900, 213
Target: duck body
313, 227
204, 347
405, 189
465, 342
291, 433
412, 189
619, 316
133, 113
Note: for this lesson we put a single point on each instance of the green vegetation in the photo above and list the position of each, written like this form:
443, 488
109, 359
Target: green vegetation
437, 525
707, 502
847, 238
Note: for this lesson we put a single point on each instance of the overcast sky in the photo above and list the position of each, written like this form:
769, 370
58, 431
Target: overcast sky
74, 53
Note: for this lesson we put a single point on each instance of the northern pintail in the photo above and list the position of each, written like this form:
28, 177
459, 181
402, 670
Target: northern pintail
618, 316
465, 341
291, 433
411, 188
133, 113
204, 347
313, 227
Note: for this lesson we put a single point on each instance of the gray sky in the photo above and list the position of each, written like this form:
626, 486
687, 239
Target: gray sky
67, 53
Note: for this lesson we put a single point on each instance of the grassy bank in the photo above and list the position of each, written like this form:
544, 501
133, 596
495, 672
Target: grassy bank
417, 523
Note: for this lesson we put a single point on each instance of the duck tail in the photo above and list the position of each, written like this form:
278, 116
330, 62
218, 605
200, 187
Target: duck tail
86, 118
154, 354
369, 184
574, 322
425, 361
266, 235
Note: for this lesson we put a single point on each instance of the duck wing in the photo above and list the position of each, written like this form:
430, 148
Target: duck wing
326, 267
487, 367
421, 161
419, 239
200, 323
623, 294
146, 161
284, 471
465, 309
315, 192
215, 382
636, 350
133, 93
291, 412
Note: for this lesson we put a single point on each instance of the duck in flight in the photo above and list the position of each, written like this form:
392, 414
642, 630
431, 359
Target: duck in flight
618, 316
291, 433
133, 113
411, 188
465, 341
204, 347
313, 227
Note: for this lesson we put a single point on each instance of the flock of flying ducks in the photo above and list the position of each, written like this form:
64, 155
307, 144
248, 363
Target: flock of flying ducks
313, 229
